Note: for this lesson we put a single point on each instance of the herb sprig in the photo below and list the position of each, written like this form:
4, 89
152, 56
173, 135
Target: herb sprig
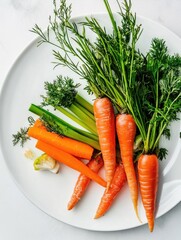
20, 137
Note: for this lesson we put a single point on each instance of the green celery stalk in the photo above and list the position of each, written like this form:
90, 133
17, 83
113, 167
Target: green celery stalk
73, 117
85, 111
84, 103
84, 117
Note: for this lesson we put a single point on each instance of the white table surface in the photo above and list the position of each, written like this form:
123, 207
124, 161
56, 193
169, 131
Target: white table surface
19, 218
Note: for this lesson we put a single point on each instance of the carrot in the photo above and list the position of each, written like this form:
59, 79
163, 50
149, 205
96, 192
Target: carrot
74, 147
108, 197
105, 123
83, 181
126, 131
148, 167
39, 123
70, 161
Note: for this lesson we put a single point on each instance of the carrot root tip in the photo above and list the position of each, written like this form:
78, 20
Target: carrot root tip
97, 216
137, 214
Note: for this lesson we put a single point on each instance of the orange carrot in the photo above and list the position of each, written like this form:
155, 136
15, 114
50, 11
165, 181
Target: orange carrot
39, 123
105, 123
109, 195
148, 180
83, 181
126, 131
70, 161
74, 147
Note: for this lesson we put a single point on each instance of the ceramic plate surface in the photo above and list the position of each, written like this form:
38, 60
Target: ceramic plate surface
51, 192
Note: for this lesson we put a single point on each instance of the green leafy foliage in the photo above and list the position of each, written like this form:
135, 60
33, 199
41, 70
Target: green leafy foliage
161, 92
146, 86
61, 92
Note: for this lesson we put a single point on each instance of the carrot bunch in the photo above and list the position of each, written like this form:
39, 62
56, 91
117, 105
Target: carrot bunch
108, 127
144, 89
125, 127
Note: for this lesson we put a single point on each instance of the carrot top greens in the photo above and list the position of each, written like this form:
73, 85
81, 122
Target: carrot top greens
60, 92
63, 95
161, 88
146, 86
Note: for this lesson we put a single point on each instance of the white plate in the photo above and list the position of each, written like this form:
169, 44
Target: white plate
51, 192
